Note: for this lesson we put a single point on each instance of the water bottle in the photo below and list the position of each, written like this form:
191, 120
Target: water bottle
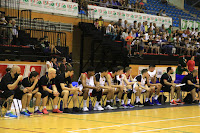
90, 105
31, 103
61, 105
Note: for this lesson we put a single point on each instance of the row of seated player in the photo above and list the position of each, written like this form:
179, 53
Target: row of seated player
90, 84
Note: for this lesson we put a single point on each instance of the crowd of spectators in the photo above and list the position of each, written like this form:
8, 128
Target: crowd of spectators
150, 38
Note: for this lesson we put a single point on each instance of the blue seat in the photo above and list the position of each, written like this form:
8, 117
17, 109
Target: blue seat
74, 84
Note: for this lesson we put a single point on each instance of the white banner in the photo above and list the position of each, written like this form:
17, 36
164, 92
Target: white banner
189, 23
115, 14
52, 6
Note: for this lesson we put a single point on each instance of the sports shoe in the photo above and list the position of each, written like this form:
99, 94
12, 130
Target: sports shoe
147, 103
56, 111
108, 107
29, 112
99, 108
173, 102
156, 102
76, 110
44, 111
11, 115
117, 104
85, 109
66, 110
195, 102
38, 112
129, 106
123, 106
179, 102
24, 113
139, 104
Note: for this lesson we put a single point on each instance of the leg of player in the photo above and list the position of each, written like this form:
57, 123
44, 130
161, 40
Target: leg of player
193, 92
138, 94
99, 96
55, 106
65, 94
75, 101
9, 113
152, 91
147, 100
121, 97
44, 103
129, 95
110, 94
29, 96
178, 100
117, 91
172, 96
24, 101
37, 103
158, 89
85, 96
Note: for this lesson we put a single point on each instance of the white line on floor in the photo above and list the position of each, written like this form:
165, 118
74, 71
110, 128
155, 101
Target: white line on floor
73, 131
166, 128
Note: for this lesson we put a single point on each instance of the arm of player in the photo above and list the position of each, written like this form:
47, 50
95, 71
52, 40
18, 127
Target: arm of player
83, 80
35, 91
128, 83
34, 84
168, 83
108, 78
14, 85
190, 83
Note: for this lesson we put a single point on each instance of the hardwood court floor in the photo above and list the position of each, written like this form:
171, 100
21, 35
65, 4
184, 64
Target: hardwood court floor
185, 119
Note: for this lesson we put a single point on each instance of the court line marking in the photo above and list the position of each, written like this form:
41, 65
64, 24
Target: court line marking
73, 131
166, 128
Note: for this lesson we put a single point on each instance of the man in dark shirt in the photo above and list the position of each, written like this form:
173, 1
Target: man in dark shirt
48, 88
190, 82
31, 84
169, 86
9, 84
64, 65
65, 88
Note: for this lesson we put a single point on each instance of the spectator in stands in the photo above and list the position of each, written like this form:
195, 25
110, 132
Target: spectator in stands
162, 29
164, 2
96, 24
124, 36
129, 40
131, 7
109, 4
64, 65
191, 86
184, 34
142, 28
191, 64
181, 65
14, 32
119, 2
3, 19
160, 12
9, 84
49, 64
55, 65
124, 5
125, 24
196, 32
100, 22
146, 26
169, 30
103, 3
192, 32
188, 31
119, 23
9, 31
114, 4
168, 85
164, 13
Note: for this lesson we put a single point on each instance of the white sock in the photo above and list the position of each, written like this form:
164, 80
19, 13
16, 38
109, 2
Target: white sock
26, 108
23, 110
84, 103
107, 100
137, 99
36, 108
129, 101
44, 107
156, 97
177, 99
97, 104
9, 111
55, 106
147, 99
122, 101
172, 100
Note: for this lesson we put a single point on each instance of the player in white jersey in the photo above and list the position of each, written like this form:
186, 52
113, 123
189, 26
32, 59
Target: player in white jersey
114, 81
140, 87
106, 90
87, 83
151, 82
128, 82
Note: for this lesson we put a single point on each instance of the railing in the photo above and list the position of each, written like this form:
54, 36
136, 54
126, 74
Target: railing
10, 7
